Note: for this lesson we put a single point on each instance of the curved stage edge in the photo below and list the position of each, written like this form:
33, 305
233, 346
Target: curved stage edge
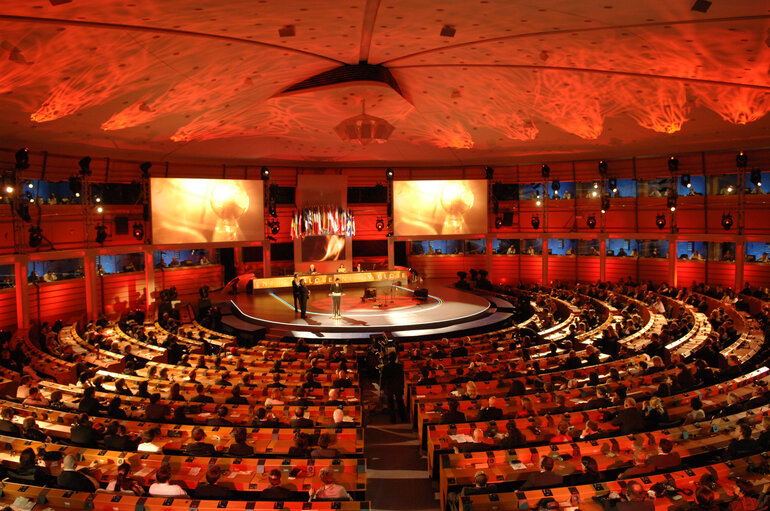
395, 311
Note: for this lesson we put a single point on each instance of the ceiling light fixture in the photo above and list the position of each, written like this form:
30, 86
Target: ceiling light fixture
138, 231
591, 221
727, 221
660, 221
389, 174
613, 184
556, 185
498, 222
671, 203
380, 224
264, 173
364, 128
756, 177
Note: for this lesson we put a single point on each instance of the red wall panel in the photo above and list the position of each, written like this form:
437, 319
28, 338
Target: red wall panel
561, 268
7, 308
117, 293
588, 269
188, 280
616, 268
721, 273
655, 270
505, 270
446, 266
64, 299
689, 271
757, 274
530, 269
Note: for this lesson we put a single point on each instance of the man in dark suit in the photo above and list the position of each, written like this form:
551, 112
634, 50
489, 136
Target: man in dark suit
600, 401
299, 420
275, 491
634, 499
336, 292
295, 291
211, 490
545, 478
220, 420
198, 447
491, 412
71, 479
201, 396
393, 386
342, 381
83, 432
452, 416
667, 459
6, 426
304, 294
630, 418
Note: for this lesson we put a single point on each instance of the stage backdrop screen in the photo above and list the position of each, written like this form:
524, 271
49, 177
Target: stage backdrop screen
432, 208
206, 210
323, 248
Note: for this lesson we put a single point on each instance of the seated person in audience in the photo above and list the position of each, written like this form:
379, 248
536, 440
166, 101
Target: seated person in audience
114, 410
162, 488
299, 420
640, 466
734, 405
116, 439
654, 412
491, 412
83, 432
696, 414
334, 398
28, 471
480, 487
222, 380
310, 382
33, 432
562, 435
513, 438
545, 478
705, 500
742, 444
301, 447
600, 401
120, 388
630, 418
634, 498
235, 397
35, 398
123, 482
300, 397
276, 384
667, 459
6, 426
76, 480
88, 403
220, 420
323, 450
147, 444
239, 447
276, 398
201, 396
210, 489
477, 443
342, 381
141, 389
198, 447
276, 492
452, 416
175, 393
590, 474
764, 437
329, 490
338, 416
156, 411
745, 496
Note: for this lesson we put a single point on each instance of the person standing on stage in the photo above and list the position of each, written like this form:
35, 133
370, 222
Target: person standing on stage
295, 291
304, 294
336, 292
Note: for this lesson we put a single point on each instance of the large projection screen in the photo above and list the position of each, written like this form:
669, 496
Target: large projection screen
206, 210
433, 208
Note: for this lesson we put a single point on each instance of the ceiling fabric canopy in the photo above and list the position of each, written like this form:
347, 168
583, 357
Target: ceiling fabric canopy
476, 82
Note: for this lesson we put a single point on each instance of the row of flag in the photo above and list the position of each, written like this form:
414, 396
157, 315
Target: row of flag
320, 221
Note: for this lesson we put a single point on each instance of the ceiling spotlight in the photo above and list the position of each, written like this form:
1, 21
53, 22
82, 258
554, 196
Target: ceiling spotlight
727, 221
660, 221
605, 204
138, 231
603, 168
490, 172
535, 221
741, 160
265, 173
673, 164
613, 184
30, 185
97, 199
85, 166
380, 224
272, 210
275, 226
99, 209
145, 168
101, 234
556, 185
389, 174
756, 177
545, 170
498, 222
671, 203
22, 159
684, 179
591, 221
35, 237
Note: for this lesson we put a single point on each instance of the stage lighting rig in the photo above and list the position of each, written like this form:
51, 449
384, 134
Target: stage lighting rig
756, 177
671, 203
556, 185
380, 224
389, 174
85, 166
145, 168
22, 159
35, 236
605, 204
727, 221
660, 221
101, 234
535, 221
603, 167
138, 231
741, 160
275, 226
264, 173
613, 184
490, 173
591, 222
498, 222
545, 171
673, 164
685, 181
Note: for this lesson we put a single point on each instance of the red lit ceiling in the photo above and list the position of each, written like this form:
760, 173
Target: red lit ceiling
522, 81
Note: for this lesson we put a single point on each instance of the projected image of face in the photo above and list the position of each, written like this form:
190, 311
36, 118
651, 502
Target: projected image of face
427, 208
206, 210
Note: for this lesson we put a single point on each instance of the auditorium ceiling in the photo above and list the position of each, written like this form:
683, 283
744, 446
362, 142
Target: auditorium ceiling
474, 81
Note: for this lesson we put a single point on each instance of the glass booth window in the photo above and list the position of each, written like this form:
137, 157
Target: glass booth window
59, 269
566, 190
589, 190
505, 246
588, 247
189, 257
724, 185
121, 263
532, 191
437, 247
562, 246
724, 251
532, 247
653, 248
660, 187
757, 252
692, 250
622, 248
618, 188
7, 276
757, 182
478, 246
689, 186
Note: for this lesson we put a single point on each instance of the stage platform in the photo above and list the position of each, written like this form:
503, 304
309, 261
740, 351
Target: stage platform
396, 310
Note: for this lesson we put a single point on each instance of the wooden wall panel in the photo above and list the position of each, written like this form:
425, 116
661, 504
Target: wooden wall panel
562, 268
689, 271
655, 270
588, 269
7, 308
64, 299
616, 268
721, 274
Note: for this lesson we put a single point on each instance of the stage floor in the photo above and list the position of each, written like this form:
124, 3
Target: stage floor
394, 309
